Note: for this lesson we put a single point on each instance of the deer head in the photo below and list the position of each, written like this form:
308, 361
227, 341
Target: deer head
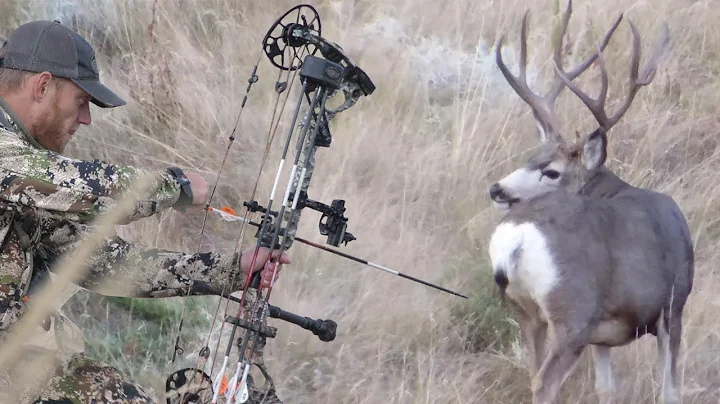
558, 164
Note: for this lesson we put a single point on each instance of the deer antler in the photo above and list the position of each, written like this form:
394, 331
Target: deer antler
597, 105
543, 106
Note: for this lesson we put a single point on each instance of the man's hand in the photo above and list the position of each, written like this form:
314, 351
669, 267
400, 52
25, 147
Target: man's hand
200, 193
262, 255
199, 187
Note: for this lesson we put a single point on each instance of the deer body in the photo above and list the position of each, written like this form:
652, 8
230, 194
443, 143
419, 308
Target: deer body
583, 257
587, 266
627, 273
588, 269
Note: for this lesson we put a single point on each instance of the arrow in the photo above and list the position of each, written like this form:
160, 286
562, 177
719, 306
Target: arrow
228, 214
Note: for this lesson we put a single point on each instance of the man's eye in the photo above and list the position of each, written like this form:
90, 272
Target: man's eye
552, 174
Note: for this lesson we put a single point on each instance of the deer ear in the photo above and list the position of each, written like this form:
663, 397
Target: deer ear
594, 150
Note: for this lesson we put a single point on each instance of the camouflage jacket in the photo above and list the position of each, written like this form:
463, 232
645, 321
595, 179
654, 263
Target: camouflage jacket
47, 204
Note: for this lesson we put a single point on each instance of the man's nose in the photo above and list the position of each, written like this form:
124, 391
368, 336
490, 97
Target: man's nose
495, 191
84, 116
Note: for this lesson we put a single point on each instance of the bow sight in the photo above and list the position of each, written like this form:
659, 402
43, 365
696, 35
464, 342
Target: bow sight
333, 222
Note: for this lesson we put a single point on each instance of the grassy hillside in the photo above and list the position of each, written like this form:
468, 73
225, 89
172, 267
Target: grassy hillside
414, 162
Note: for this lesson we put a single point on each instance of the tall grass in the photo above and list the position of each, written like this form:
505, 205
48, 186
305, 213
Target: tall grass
414, 162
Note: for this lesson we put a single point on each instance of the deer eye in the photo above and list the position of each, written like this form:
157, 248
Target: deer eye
552, 174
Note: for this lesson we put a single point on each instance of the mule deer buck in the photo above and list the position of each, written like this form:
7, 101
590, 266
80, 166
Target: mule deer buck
583, 257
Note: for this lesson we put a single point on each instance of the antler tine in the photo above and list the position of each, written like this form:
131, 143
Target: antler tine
542, 106
648, 72
597, 105
573, 74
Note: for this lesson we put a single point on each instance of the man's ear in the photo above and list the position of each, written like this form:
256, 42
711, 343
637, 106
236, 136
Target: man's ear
41, 85
594, 151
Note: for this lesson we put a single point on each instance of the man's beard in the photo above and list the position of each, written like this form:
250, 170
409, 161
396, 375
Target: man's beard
48, 130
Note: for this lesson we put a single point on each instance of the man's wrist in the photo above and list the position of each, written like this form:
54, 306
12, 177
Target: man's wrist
186, 195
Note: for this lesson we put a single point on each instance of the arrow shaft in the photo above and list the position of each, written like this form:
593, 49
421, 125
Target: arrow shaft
230, 217
377, 266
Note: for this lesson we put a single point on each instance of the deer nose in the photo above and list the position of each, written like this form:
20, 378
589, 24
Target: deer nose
495, 191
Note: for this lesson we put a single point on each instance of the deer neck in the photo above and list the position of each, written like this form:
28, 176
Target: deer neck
603, 184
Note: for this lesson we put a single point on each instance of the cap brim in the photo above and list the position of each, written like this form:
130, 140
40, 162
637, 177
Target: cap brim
102, 96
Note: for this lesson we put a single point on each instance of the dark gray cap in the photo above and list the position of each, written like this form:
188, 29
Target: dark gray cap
41, 46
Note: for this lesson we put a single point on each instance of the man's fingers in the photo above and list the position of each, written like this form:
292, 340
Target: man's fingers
284, 259
267, 276
262, 258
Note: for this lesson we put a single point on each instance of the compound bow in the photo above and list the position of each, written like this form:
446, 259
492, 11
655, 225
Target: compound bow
322, 77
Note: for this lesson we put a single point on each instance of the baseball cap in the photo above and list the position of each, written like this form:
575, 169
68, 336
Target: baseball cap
40, 46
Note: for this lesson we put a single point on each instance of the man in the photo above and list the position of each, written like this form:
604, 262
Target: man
48, 77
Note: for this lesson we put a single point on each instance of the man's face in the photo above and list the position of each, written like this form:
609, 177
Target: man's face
58, 115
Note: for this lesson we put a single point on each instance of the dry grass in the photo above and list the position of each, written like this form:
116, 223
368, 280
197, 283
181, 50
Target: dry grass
414, 162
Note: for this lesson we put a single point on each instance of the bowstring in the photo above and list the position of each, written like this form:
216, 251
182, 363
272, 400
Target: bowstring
252, 79
234, 274
271, 137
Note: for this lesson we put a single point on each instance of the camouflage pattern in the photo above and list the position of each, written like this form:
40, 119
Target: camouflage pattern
197, 384
264, 393
47, 205
74, 189
85, 380
209, 361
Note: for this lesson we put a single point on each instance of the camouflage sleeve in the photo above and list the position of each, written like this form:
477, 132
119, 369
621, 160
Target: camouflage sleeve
37, 197
88, 178
140, 271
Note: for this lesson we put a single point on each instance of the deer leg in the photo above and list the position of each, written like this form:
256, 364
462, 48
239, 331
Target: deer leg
534, 333
604, 384
669, 330
540, 342
562, 356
